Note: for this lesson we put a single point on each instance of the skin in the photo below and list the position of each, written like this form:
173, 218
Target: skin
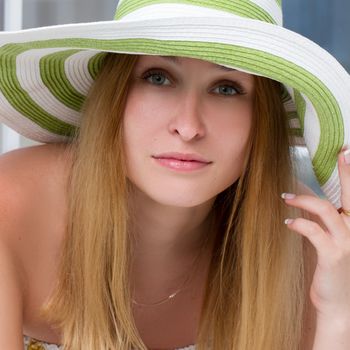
190, 108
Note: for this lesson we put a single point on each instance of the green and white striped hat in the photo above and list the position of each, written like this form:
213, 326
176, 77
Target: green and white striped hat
45, 73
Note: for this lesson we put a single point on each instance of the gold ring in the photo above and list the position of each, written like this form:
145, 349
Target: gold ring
345, 212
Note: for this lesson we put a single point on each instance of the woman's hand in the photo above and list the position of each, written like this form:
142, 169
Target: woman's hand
330, 235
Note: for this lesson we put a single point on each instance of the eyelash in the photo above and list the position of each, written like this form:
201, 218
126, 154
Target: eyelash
236, 86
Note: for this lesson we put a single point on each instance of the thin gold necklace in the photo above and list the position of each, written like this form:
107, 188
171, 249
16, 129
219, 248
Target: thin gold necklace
182, 286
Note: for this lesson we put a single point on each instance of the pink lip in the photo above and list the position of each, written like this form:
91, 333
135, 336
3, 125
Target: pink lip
182, 156
181, 161
183, 165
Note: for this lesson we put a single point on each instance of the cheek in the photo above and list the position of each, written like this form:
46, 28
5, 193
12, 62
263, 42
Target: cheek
147, 107
139, 118
232, 128
231, 135
143, 121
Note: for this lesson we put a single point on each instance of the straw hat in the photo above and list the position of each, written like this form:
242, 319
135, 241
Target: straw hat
45, 73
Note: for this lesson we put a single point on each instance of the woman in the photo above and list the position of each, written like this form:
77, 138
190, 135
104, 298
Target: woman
160, 222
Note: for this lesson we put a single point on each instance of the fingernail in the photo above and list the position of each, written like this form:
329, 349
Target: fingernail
347, 156
288, 221
288, 195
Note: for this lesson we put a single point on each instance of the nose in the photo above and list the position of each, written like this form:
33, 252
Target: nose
187, 120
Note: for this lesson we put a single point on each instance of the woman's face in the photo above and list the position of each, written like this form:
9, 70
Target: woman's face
187, 106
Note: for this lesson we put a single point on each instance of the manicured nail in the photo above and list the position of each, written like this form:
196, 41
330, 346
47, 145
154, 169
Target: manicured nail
347, 156
288, 195
288, 221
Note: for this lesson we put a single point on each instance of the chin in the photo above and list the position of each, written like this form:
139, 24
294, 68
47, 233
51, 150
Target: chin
176, 195
180, 200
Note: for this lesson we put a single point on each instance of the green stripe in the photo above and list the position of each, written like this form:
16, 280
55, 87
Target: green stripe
54, 77
244, 8
295, 132
279, 2
255, 61
20, 99
95, 64
301, 108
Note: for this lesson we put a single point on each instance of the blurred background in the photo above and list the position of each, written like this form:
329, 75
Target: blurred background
324, 21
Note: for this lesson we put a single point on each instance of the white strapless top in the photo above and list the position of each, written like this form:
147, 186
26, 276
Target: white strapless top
33, 344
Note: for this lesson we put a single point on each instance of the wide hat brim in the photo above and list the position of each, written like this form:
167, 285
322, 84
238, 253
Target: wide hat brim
46, 73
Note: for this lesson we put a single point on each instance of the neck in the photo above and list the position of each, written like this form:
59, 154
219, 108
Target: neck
167, 241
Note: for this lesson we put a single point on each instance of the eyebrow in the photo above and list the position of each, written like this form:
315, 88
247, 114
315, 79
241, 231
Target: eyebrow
176, 60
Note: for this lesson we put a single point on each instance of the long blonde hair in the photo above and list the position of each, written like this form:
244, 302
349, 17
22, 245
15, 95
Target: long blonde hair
254, 295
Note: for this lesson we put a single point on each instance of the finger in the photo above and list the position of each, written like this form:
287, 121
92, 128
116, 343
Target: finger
325, 212
314, 233
344, 175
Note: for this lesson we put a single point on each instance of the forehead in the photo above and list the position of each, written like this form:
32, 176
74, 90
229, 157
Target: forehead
178, 60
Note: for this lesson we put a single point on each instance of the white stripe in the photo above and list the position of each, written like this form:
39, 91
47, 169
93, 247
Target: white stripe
28, 75
271, 7
120, 2
312, 129
77, 72
25, 126
332, 188
166, 10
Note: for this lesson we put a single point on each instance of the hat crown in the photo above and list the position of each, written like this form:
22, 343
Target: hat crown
263, 10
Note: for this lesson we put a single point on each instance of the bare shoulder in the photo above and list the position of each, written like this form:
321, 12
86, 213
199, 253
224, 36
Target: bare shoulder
32, 225
11, 299
26, 164
31, 181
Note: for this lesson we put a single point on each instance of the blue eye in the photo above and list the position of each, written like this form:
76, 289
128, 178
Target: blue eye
228, 90
156, 77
